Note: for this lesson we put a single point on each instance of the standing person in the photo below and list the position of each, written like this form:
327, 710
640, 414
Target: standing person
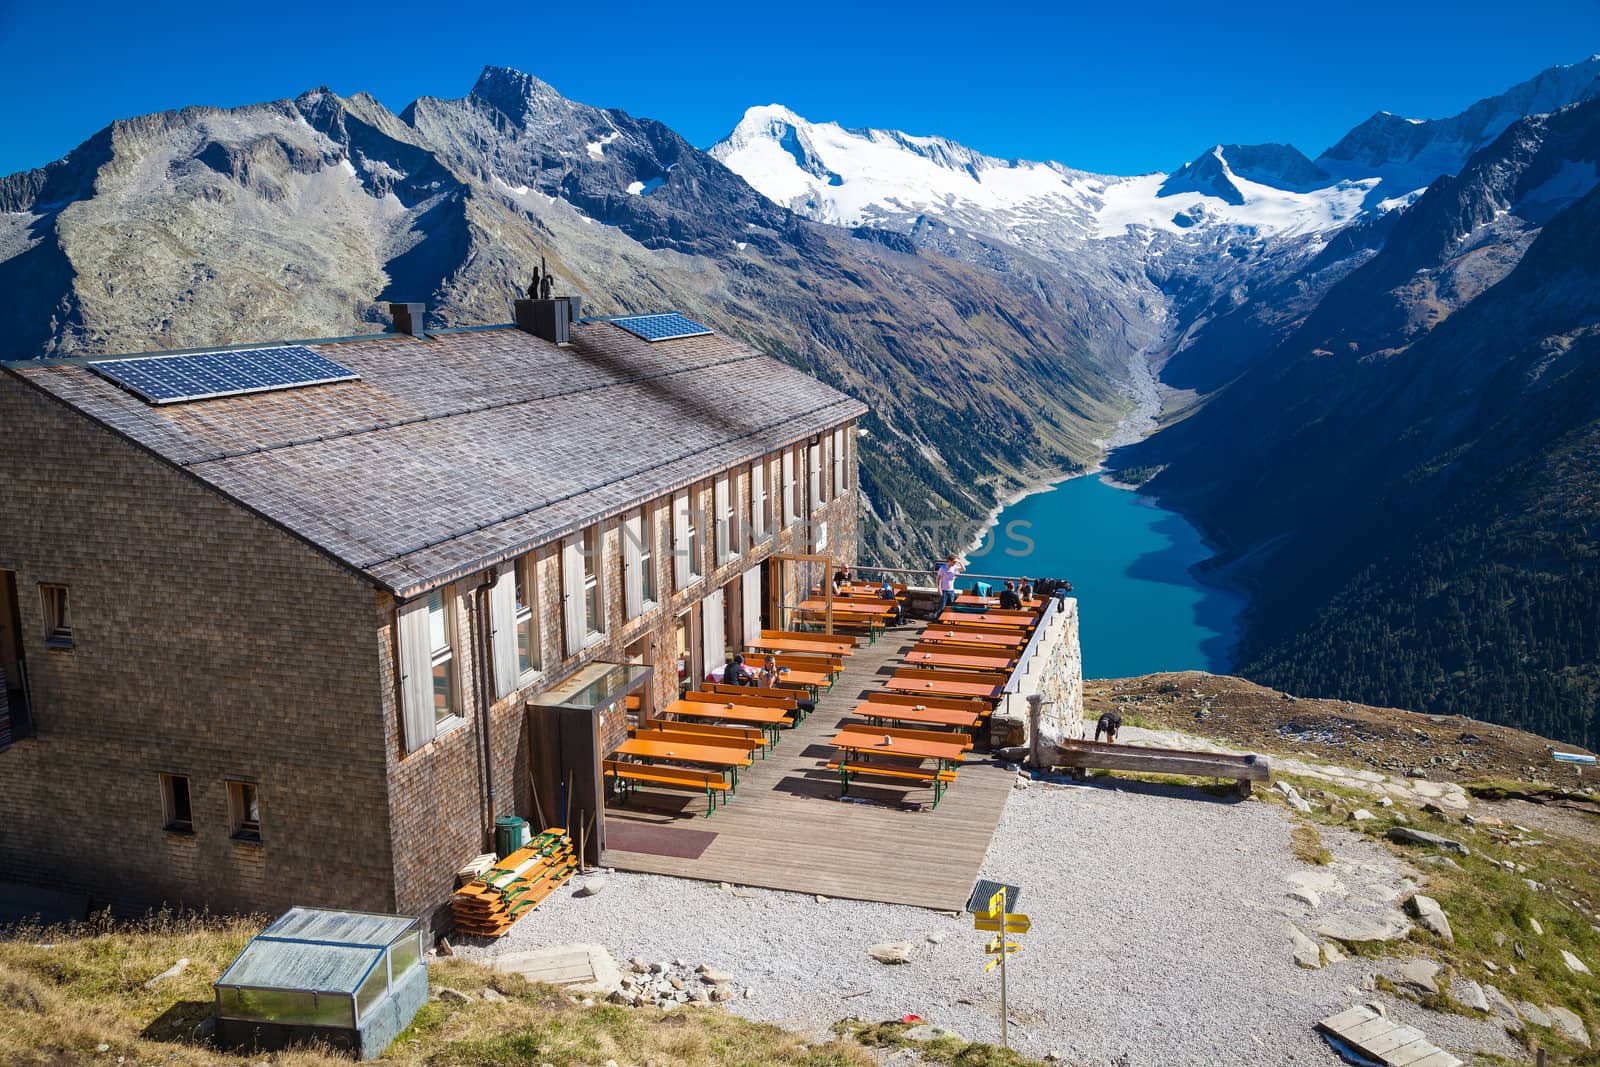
948, 571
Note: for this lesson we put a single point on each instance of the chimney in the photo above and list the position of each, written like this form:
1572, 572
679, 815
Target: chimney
548, 319
408, 318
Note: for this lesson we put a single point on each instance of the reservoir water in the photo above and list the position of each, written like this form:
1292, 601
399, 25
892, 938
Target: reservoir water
1129, 561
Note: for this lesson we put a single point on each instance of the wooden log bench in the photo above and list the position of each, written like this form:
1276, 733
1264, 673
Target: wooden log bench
1082, 755
940, 780
629, 776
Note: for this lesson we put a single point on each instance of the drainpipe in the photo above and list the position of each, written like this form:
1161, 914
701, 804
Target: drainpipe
480, 674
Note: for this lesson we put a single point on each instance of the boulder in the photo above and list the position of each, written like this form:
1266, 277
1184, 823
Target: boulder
1431, 916
492, 995
1574, 964
1420, 974
455, 995
1534, 1014
1502, 1007
1306, 896
712, 976
1362, 815
1389, 926
1534, 924
1407, 836
592, 886
891, 952
171, 972
1331, 953
1470, 993
930, 1032
1306, 952
1568, 1025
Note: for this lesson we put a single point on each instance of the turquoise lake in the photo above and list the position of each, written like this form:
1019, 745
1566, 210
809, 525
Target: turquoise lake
1129, 561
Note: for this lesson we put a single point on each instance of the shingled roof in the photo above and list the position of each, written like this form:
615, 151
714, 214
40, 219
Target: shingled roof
466, 448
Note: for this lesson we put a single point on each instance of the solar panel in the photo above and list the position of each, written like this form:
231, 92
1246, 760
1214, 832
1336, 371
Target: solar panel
205, 375
662, 327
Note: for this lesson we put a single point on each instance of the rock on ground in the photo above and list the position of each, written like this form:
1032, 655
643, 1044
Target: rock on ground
1407, 836
891, 952
1421, 974
1574, 964
1569, 1025
1431, 916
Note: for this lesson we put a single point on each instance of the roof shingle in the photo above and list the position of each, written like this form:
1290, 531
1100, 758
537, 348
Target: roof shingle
462, 449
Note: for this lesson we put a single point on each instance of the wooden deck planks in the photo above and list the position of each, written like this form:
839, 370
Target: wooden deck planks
787, 828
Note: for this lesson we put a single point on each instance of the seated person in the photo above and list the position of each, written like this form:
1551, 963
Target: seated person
771, 675
886, 592
1025, 590
736, 673
1009, 600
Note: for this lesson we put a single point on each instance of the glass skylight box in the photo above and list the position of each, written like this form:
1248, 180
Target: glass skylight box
350, 979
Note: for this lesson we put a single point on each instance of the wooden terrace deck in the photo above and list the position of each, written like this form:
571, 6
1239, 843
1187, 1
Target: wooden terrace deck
788, 829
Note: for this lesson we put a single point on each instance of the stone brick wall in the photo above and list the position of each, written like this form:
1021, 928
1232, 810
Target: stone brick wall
207, 643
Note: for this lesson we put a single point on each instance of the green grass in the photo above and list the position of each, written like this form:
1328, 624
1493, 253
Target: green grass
946, 1050
1482, 899
66, 991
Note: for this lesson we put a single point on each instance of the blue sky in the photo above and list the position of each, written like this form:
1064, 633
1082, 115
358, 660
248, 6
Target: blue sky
1113, 89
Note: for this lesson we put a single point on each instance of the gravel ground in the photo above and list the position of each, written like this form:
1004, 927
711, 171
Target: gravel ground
1157, 937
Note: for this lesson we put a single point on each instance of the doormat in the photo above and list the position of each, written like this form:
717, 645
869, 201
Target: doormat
657, 840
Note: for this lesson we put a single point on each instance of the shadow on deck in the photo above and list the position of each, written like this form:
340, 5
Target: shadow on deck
789, 829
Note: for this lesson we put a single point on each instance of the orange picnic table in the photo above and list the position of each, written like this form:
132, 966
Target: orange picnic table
857, 745
728, 760
946, 656
946, 635
769, 719
865, 605
974, 600
1021, 620
917, 713
797, 644
920, 681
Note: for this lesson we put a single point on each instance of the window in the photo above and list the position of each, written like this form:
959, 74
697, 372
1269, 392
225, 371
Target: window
57, 623
685, 538
244, 811
722, 520
175, 811
638, 562
758, 502
814, 477
789, 512
429, 688
594, 604
838, 462
441, 656
526, 622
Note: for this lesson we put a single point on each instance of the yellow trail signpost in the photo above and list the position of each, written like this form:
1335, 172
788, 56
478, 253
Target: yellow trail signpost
995, 919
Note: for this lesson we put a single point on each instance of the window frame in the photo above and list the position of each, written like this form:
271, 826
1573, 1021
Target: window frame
445, 656
594, 589
55, 607
758, 502
170, 822
240, 826
839, 479
788, 462
525, 586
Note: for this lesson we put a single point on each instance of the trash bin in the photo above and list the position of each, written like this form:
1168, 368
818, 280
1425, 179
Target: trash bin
510, 834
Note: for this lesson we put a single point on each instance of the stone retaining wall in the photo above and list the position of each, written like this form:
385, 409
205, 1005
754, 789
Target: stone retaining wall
1055, 673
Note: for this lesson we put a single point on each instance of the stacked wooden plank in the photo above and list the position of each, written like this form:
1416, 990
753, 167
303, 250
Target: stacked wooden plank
490, 905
